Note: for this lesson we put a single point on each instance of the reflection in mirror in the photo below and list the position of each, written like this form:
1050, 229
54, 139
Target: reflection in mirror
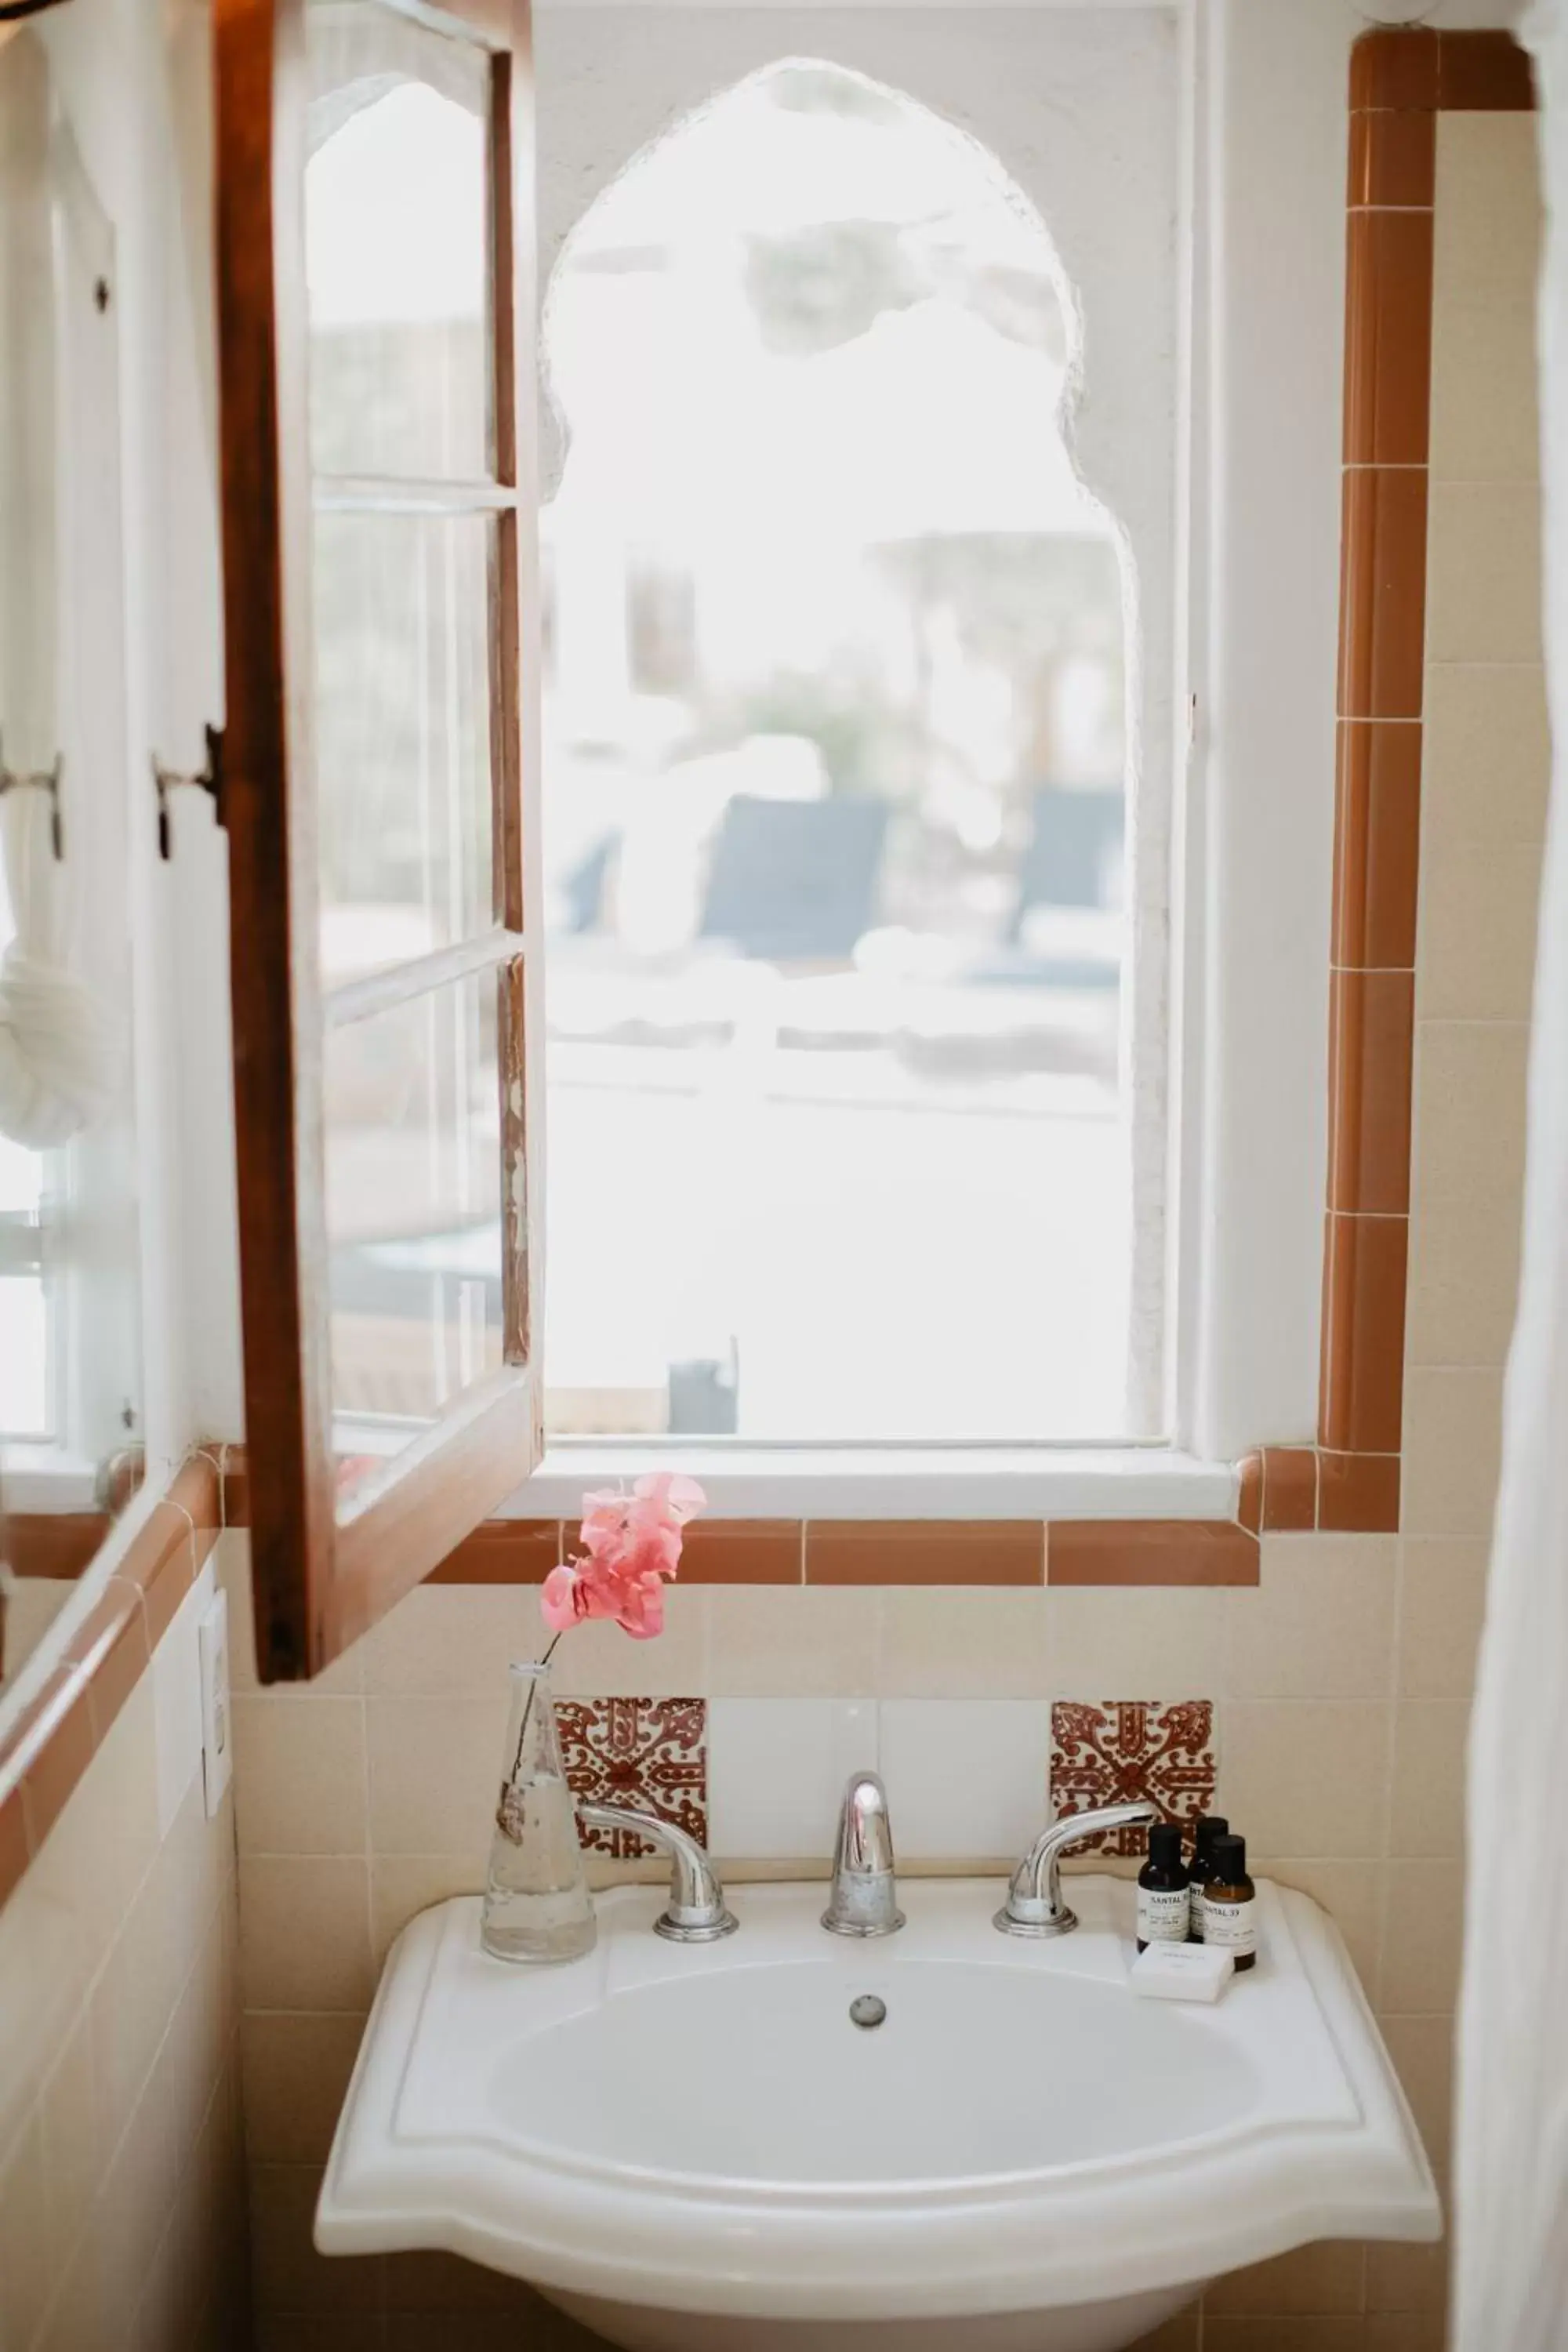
70, 1386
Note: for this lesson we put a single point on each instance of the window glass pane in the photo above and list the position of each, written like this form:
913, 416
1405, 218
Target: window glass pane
403, 750
396, 241
414, 1205
23, 1359
836, 780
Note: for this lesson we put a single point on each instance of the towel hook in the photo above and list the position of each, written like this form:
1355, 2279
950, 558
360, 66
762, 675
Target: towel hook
43, 780
209, 780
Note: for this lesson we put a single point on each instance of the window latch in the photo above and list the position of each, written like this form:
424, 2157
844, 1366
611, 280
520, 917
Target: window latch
209, 780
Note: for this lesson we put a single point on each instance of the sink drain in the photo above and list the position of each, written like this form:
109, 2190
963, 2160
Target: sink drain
868, 2011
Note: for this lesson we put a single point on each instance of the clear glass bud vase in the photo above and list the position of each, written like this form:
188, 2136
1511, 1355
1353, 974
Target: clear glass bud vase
537, 1907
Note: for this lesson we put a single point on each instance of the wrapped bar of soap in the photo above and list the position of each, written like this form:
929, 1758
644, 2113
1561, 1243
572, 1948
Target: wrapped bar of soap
1181, 1972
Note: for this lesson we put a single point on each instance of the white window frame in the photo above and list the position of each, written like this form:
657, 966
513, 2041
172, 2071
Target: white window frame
1263, 235
93, 1341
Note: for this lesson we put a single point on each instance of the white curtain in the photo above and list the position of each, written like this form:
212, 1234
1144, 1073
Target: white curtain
1512, 2150
60, 1047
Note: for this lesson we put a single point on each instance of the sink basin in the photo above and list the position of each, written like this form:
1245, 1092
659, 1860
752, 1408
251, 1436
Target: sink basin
701, 2150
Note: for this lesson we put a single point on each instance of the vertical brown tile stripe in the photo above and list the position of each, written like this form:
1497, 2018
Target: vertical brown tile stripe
1395, 83
1400, 81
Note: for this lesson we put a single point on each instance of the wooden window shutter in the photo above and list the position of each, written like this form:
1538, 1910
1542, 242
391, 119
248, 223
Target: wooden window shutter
377, 311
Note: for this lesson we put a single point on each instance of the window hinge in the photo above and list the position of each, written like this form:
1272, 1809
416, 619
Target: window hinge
210, 780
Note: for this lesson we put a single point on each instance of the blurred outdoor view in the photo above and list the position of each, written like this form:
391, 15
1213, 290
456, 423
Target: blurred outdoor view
834, 771
834, 775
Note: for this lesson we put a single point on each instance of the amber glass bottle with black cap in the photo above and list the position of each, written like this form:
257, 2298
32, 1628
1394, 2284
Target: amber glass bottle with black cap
1163, 1889
1230, 1903
1209, 1827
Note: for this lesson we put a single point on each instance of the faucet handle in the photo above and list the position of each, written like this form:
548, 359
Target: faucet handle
1035, 1905
696, 1913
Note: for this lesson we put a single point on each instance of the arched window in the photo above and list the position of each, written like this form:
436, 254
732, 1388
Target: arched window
836, 791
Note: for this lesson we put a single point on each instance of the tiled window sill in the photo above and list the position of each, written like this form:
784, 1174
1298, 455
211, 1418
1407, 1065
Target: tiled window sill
889, 1483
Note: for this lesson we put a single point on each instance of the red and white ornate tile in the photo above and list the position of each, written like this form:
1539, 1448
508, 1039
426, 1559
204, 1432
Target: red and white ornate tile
648, 1753
1119, 1750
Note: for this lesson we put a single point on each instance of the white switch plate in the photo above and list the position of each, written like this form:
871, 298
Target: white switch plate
217, 1715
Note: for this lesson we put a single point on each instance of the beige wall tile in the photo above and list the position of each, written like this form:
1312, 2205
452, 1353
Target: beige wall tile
1182, 2334
1423, 1935
600, 1661
1427, 1815
1422, 2049
58, 1925
437, 2281
792, 1641
538, 2329
1475, 951
321, 2331
435, 1767
1471, 1082
457, 1640
452, 1639
304, 1932
402, 1885
1406, 2331
130, 2213
117, 1959
990, 1644
1136, 1641
1486, 765
1486, 256
290, 2274
134, 1998
296, 2073
1464, 1282
1254, 2332
1320, 1624
25, 2239
1328, 2276
300, 1773
1487, 232
1305, 1777
1483, 572
1406, 2278
76, 2145
1452, 1441
1486, 421
1442, 1607
196, 2048
1349, 1891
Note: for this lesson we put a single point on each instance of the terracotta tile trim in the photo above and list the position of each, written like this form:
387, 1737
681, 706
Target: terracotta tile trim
44, 1754
1151, 1551
969, 1552
54, 1545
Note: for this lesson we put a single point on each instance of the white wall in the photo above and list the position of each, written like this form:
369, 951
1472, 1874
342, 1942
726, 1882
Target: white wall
111, 61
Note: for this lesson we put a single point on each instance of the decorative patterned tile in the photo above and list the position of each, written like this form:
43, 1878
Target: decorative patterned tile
650, 1753
1125, 1748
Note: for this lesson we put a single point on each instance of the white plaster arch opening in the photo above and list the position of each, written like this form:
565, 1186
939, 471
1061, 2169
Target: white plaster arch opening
697, 433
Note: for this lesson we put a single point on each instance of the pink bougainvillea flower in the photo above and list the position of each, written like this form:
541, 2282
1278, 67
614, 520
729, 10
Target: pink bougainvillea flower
631, 1543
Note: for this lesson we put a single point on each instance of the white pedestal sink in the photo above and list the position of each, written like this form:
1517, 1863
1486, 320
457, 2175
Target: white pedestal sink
700, 2150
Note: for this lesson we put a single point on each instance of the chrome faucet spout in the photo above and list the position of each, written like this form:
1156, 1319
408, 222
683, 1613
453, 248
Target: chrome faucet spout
1035, 1905
696, 1913
865, 1897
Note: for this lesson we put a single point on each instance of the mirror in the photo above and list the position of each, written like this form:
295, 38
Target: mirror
71, 1356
